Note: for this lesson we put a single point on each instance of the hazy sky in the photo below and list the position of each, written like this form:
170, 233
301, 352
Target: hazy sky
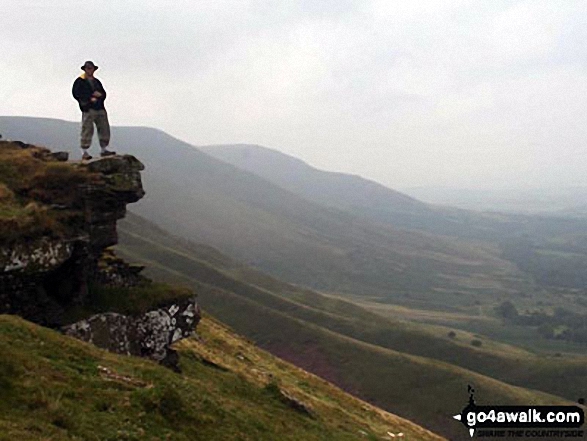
485, 94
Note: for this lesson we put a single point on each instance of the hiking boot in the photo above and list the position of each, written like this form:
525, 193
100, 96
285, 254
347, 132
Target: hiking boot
107, 153
86, 156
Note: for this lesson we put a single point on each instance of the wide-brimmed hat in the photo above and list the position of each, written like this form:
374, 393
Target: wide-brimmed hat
89, 64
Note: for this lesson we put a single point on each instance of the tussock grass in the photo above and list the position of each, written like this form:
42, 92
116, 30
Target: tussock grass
31, 182
134, 300
55, 387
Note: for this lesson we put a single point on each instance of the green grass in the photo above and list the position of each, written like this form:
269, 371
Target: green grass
55, 387
415, 371
421, 389
501, 361
134, 300
31, 181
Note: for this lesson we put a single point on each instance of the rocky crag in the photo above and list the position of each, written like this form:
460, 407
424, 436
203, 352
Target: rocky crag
57, 220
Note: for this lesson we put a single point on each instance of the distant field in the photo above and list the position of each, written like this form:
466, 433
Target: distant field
490, 326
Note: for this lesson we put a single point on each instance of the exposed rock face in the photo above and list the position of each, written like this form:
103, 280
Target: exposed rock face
48, 268
149, 335
106, 201
41, 277
42, 255
32, 276
114, 271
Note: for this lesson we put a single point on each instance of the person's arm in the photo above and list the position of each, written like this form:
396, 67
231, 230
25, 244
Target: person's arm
79, 93
101, 92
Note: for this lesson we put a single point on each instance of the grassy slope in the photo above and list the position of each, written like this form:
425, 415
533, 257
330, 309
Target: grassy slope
346, 344
54, 387
205, 265
340, 190
551, 250
374, 201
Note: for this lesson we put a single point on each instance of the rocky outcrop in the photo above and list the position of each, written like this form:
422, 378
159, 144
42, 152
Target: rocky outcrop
58, 218
41, 277
33, 275
105, 201
114, 271
149, 335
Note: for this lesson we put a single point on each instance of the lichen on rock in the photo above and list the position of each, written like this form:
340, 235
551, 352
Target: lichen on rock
148, 335
40, 256
57, 219
49, 253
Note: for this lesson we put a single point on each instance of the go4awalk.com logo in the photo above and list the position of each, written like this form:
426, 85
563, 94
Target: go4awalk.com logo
547, 422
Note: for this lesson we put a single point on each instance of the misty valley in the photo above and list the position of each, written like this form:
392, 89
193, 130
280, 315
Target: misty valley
399, 302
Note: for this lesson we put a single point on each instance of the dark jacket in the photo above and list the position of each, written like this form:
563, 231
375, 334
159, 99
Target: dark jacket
82, 91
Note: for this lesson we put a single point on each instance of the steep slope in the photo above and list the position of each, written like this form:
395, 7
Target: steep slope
245, 216
55, 387
376, 202
380, 360
549, 248
58, 219
338, 190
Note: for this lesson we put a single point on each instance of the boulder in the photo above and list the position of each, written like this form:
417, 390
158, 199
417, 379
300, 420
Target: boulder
148, 335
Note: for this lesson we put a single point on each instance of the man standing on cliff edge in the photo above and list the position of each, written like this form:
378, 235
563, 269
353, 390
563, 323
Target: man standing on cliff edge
90, 95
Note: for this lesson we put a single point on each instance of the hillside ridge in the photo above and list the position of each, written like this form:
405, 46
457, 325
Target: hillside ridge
289, 236
85, 276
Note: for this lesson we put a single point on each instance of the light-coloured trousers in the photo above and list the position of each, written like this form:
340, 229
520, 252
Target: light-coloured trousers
100, 118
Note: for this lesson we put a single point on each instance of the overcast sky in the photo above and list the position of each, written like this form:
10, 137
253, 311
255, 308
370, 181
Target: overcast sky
459, 93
